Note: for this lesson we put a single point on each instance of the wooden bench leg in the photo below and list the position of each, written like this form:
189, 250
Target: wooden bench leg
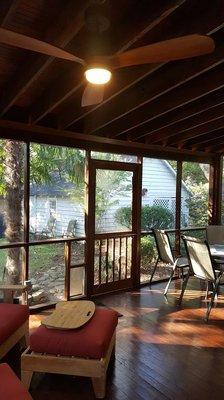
99, 386
26, 377
24, 341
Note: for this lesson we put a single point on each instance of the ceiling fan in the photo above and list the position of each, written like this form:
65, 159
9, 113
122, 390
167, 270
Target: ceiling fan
98, 70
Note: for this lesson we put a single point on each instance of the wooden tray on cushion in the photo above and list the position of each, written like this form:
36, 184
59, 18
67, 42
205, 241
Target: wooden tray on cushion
70, 314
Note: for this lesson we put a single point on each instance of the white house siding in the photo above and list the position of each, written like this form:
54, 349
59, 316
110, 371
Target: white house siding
159, 178
65, 211
108, 223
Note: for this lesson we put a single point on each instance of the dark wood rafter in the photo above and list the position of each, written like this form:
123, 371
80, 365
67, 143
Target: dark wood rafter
210, 113
60, 34
208, 84
55, 96
183, 96
164, 81
203, 25
132, 77
182, 113
218, 147
205, 140
200, 130
9, 10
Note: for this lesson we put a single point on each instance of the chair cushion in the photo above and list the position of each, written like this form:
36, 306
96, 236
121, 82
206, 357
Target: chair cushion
89, 341
10, 386
12, 316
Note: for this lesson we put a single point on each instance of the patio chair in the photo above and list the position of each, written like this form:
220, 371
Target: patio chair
166, 256
202, 267
71, 228
49, 231
215, 234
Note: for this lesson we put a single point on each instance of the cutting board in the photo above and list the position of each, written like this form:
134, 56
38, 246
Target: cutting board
70, 315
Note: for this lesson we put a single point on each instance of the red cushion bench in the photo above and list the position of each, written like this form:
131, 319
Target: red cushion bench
10, 386
85, 351
14, 325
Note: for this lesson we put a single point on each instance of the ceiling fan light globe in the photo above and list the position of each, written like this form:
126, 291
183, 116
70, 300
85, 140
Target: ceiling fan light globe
98, 76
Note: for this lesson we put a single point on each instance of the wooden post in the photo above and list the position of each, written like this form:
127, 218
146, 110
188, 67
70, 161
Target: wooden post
136, 224
67, 269
90, 189
215, 190
178, 207
25, 255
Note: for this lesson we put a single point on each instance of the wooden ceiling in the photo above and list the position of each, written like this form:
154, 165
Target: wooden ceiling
175, 106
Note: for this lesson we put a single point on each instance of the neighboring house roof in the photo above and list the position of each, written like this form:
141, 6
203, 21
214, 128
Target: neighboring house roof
57, 188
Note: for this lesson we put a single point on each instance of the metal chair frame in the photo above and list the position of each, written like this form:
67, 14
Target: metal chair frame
215, 282
174, 266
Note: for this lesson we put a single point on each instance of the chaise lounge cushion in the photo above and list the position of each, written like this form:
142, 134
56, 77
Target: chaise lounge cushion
10, 386
89, 341
12, 316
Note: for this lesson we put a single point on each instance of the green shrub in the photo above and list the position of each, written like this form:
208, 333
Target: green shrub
152, 217
123, 216
147, 250
156, 217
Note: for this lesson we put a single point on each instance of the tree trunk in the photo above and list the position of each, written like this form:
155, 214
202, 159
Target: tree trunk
13, 217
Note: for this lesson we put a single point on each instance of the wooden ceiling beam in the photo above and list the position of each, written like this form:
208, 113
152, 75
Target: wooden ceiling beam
196, 131
122, 115
218, 148
8, 12
202, 141
55, 95
216, 145
43, 134
204, 86
199, 21
171, 118
173, 131
71, 20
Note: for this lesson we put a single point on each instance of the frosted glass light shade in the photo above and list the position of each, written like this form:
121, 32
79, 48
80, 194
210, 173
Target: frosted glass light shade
98, 76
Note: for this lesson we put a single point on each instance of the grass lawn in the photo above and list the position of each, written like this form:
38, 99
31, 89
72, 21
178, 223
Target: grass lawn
40, 257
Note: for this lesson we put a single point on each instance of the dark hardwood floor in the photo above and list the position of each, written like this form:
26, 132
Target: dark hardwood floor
163, 352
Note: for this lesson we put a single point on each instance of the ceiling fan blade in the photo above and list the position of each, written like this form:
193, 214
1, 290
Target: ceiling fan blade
173, 49
93, 94
25, 42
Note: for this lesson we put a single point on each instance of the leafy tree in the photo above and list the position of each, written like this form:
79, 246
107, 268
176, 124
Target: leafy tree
198, 205
196, 176
11, 186
194, 172
47, 160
